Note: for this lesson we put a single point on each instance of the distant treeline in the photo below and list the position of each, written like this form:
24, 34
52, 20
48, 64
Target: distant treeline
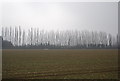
9, 45
34, 38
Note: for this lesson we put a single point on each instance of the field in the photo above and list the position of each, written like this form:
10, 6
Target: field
60, 64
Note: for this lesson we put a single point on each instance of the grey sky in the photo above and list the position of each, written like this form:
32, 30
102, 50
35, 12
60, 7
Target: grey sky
93, 16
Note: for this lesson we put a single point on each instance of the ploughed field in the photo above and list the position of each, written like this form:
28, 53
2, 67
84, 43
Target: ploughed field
60, 64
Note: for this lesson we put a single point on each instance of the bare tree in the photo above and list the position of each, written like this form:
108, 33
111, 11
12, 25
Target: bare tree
23, 38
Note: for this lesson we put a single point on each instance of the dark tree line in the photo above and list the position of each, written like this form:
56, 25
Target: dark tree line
62, 39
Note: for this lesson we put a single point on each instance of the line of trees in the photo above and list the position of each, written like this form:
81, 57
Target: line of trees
36, 37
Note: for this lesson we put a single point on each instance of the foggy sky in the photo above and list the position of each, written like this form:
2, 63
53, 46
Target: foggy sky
91, 16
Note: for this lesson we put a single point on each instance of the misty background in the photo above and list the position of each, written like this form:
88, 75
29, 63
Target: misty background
59, 24
91, 16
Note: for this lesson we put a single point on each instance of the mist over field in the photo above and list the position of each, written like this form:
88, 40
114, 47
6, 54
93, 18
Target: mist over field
36, 38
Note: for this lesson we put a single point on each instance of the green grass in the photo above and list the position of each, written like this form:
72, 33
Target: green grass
60, 64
